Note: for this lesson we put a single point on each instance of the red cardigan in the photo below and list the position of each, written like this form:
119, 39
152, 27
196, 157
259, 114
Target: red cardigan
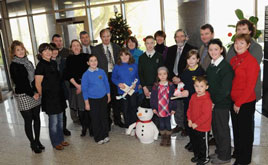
200, 112
246, 70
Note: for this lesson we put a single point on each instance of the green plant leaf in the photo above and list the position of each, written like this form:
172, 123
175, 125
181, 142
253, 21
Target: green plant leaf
231, 26
233, 37
254, 20
257, 35
239, 14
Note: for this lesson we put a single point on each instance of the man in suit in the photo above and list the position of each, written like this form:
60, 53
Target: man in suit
176, 63
107, 54
85, 41
206, 34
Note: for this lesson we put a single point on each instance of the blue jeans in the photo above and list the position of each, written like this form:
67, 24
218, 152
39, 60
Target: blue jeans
56, 129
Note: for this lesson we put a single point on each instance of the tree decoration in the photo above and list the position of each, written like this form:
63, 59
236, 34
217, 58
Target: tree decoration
119, 28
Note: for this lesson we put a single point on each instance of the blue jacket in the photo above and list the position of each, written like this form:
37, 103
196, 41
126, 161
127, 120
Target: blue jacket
94, 84
125, 73
136, 53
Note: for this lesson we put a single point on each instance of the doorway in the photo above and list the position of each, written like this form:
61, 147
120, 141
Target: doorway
70, 28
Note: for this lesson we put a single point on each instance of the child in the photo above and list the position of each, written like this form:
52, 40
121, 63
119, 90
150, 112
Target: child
96, 93
220, 76
161, 104
193, 69
125, 72
149, 62
199, 116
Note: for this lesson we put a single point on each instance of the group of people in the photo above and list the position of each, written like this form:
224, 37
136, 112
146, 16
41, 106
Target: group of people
216, 84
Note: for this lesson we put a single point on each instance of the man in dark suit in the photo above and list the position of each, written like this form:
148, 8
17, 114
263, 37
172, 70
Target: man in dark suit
107, 54
176, 63
85, 41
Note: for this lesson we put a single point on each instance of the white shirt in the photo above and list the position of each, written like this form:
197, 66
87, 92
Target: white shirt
218, 61
85, 49
150, 54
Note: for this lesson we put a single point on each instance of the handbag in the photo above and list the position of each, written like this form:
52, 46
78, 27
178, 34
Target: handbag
26, 102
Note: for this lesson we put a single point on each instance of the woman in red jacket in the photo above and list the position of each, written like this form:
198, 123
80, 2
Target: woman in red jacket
246, 69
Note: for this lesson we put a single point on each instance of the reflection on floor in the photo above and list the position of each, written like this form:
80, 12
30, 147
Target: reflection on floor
14, 146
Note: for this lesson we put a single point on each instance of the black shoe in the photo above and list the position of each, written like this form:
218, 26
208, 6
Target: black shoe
202, 162
91, 133
35, 148
177, 129
188, 145
66, 132
120, 124
190, 148
83, 132
212, 142
194, 159
40, 146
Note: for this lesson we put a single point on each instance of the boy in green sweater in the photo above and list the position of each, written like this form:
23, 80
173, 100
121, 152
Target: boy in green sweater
149, 62
220, 75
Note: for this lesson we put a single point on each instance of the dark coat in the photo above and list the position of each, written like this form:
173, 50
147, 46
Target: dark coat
171, 57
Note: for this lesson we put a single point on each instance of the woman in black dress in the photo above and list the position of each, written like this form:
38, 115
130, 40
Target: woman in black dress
48, 85
22, 74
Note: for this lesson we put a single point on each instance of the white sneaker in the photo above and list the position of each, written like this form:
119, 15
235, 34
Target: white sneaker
106, 140
101, 142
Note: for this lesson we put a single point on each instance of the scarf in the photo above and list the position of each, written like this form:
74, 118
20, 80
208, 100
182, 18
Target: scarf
28, 65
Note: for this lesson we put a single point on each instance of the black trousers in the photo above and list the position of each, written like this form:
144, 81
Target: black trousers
200, 144
243, 131
32, 116
99, 118
129, 106
221, 132
114, 103
85, 120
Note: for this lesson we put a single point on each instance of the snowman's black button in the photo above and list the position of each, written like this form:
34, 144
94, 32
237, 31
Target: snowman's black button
142, 125
142, 134
142, 130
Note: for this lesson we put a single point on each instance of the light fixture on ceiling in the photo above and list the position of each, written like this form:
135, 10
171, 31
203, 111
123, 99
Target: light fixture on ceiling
68, 3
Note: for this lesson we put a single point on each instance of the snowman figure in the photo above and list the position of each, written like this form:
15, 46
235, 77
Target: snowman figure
146, 131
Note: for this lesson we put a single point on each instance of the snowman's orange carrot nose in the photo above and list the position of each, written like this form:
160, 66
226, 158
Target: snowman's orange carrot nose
139, 114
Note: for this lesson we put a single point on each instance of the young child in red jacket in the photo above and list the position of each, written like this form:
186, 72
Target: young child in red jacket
199, 116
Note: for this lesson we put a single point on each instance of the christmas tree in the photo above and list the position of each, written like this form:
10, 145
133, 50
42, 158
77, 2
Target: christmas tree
119, 29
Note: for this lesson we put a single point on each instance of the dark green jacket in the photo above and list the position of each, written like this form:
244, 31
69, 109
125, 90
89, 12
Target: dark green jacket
220, 84
148, 68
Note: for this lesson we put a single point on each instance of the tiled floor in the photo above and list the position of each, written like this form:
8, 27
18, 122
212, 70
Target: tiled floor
14, 146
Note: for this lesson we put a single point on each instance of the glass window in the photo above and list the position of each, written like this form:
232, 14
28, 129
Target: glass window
143, 18
16, 8
100, 18
261, 15
70, 14
222, 14
63, 4
44, 27
20, 31
171, 20
40, 6
95, 2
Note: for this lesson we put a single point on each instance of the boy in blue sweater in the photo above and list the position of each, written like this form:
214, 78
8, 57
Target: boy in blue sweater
96, 93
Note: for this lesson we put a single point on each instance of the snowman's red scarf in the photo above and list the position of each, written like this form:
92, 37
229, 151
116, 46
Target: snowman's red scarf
146, 121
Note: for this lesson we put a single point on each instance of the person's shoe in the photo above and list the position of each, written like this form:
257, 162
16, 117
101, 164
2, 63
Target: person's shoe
212, 142
163, 139
39, 145
168, 136
35, 148
177, 129
190, 148
66, 132
106, 140
183, 133
64, 143
83, 132
188, 145
202, 162
213, 156
120, 124
59, 147
218, 161
91, 133
100, 142
194, 159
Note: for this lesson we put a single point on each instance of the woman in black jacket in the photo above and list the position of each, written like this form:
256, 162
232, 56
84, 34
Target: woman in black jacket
22, 74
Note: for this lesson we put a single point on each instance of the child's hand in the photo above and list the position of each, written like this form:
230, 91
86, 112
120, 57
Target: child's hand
185, 93
121, 85
146, 92
190, 123
36, 96
194, 125
87, 106
154, 111
173, 112
236, 109
109, 98
176, 80
213, 105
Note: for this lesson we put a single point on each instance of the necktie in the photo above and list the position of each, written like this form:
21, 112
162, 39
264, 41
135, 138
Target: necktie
87, 51
175, 68
110, 59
